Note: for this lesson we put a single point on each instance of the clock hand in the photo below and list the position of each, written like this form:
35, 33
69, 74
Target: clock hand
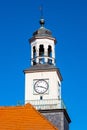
42, 87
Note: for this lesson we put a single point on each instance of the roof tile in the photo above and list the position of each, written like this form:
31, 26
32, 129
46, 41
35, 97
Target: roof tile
23, 118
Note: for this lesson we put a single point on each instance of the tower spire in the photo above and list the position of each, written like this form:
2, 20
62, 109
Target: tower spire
42, 21
41, 11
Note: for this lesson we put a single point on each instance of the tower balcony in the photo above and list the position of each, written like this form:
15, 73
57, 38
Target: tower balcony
47, 104
43, 60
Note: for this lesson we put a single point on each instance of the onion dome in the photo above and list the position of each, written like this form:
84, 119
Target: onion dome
42, 31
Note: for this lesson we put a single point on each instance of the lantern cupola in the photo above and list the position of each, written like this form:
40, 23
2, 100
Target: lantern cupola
42, 46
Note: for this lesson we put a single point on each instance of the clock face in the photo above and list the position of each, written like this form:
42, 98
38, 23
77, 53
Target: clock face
41, 86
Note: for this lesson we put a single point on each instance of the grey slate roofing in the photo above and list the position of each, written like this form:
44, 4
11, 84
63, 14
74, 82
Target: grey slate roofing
42, 32
43, 67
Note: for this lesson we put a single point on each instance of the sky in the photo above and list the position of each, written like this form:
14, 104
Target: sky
68, 22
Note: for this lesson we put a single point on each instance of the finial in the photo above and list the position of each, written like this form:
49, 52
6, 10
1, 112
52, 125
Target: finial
42, 21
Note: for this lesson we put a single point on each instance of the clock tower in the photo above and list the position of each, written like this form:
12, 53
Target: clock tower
43, 79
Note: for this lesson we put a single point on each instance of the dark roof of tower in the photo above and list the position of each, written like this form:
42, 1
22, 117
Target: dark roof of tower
43, 68
42, 32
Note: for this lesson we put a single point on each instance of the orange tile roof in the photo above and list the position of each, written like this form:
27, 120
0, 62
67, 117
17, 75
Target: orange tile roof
23, 118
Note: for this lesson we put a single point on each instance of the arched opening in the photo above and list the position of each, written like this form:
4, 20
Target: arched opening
41, 54
50, 54
34, 55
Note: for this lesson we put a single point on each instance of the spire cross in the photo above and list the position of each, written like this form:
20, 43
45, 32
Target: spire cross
42, 22
41, 11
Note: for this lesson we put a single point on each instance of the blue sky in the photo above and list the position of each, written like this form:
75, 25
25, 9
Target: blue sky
68, 22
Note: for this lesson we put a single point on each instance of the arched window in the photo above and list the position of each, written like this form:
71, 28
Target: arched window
34, 55
41, 54
49, 51
50, 54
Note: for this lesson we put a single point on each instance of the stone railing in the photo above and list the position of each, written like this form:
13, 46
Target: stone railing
47, 104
